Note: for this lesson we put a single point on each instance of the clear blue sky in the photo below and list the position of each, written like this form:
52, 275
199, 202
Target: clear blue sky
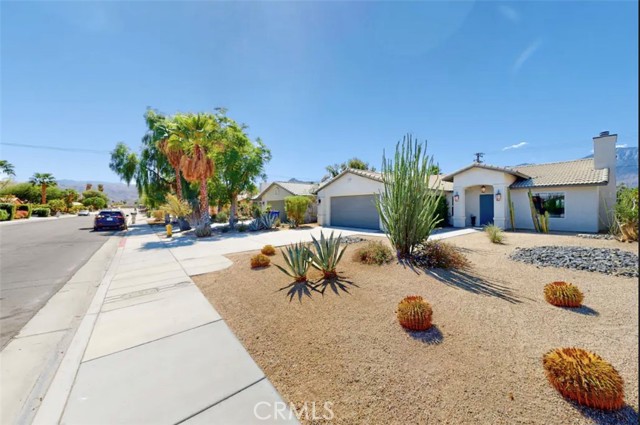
320, 82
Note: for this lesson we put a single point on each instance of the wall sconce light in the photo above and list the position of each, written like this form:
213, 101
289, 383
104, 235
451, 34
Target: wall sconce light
456, 197
483, 189
498, 196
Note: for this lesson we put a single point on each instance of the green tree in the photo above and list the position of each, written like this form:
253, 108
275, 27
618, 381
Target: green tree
43, 180
95, 202
123, 162
407, 206
239, 163
296, 207
94, 194
353, 163
6, 168
70, 196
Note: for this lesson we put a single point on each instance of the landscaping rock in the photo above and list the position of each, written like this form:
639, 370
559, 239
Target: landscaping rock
596, 236
602, 260
347, 240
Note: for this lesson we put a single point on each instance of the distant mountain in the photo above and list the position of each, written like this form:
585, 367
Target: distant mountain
626, 166
116, 192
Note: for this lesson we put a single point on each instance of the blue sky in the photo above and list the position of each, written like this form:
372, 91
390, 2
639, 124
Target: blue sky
319, 82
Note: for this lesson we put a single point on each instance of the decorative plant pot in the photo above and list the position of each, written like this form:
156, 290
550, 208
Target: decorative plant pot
183, 224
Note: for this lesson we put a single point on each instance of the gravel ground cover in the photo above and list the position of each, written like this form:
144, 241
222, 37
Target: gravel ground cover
603, 260
481, 362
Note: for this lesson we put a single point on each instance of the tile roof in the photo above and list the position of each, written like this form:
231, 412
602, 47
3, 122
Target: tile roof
295, 188
567, 173
509, 170
373, 175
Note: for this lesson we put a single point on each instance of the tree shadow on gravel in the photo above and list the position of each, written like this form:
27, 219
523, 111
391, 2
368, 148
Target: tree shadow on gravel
431, 336
584, 310
625, 416
475, 284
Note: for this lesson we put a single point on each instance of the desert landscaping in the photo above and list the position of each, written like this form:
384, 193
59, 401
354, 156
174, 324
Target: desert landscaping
481, 362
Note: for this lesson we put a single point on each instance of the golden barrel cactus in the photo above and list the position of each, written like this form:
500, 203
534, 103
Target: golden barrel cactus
414, 313
259, 260
268, 250
584, 377
563, 294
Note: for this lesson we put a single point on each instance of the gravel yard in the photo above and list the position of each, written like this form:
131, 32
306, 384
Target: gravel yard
480, 363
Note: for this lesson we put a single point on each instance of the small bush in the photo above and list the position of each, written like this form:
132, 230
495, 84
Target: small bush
268, 250
4, 215
95, 202
439, 255
494, 233
414, 313
563, 294
222, 217
260, 260
41, 212
10, 209
277, 223
57, 205
158, 215
296, 208
585, 378
25, 208
374, 252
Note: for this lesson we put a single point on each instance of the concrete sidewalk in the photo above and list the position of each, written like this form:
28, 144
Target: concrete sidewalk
151, 349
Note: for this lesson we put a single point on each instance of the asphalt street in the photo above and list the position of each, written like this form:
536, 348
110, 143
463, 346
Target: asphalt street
36, 259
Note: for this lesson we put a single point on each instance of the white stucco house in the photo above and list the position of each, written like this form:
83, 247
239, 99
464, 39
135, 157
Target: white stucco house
348, 200
273, 195
578, 195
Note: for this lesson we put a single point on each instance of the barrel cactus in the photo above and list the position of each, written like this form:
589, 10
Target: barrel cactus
414, 313
268, 250
585, 378
260, 260
563, 294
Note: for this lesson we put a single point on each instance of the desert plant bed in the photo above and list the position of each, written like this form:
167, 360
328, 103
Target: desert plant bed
481, 361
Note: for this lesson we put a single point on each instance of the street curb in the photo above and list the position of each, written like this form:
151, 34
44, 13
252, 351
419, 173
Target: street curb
54, 402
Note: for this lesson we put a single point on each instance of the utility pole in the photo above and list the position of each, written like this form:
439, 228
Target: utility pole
479, 156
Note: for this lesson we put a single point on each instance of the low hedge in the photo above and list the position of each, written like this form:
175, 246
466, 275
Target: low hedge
25, 207
41, 212
4, 215
10, 209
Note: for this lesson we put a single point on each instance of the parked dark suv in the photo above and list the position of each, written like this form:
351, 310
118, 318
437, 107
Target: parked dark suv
109, 219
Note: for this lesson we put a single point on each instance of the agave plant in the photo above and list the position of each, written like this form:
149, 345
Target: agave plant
255, 225
267, 221
327, 254
298, 260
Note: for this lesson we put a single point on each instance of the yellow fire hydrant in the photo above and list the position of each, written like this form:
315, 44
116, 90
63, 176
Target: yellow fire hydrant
169, 230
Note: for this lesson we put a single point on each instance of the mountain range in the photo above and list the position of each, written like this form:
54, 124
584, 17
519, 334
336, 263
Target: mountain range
626, 166
116, 192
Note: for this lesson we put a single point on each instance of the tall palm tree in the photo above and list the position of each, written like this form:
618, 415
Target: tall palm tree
43, 180
174, 155
7, 168
197, 135
100, 188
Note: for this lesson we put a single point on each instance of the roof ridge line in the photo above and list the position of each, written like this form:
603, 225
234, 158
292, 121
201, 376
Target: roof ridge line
550, 163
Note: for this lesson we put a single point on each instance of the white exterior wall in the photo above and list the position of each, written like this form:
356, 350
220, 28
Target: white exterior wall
467, 186
347, 185
278, 193
580, 208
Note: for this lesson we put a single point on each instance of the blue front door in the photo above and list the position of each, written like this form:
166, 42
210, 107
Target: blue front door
486, 209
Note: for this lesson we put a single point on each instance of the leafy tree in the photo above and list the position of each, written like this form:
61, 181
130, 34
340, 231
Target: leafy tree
6, 168
94, 194
88, 186
238, 164
95, 202
353, 163
434, 169
407, 206
197, 135
43, 180
70, 196
57, 205
296, 207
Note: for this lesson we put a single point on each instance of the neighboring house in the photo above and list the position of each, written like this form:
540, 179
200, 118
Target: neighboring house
348, 200
579, 195
274, 193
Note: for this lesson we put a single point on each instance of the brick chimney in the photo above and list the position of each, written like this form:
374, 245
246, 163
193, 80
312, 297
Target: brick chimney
604, 156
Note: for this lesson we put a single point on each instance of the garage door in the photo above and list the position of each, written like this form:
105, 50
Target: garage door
355, 211
278, 206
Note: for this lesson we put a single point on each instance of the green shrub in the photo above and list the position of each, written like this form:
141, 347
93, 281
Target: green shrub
4, 215
626, 213
95, 194
24, 207
407, 205
96, 203
10, 209
494, 233
242, 227
374, 252
439, 255
41, 212
57, 205
222, 217
296, 207
442, 211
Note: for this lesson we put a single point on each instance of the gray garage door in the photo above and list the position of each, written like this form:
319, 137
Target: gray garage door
355, 211
278, 206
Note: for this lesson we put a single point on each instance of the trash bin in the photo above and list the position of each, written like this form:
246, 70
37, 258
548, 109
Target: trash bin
274, 214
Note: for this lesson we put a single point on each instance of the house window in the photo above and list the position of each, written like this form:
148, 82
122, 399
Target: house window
552, 202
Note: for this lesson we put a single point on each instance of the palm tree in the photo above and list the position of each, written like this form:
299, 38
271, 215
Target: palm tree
197, 135
173, 151
43, 180
100, 188
88, 186
7, 168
